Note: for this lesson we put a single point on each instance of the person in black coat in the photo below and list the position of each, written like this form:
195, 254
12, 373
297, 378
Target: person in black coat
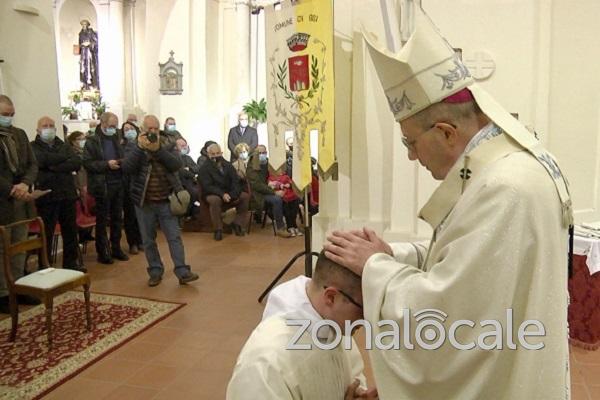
188, 173
242, 133
102, 156
57, 162
221, 190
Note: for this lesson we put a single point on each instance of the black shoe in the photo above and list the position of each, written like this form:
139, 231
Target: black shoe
105, 259
218, 235
154, 280
77, 268
120, 255
4, 307
189, 277
26, 300
238, 230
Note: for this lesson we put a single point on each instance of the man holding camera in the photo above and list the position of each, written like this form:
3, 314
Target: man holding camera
102, 157
153, 164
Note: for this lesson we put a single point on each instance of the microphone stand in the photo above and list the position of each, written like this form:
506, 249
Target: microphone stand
307, 253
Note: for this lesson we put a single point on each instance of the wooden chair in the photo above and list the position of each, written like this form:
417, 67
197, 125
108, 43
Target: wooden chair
44, 284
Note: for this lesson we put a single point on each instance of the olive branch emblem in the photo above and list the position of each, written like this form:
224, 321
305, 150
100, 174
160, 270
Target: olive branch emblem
293, 111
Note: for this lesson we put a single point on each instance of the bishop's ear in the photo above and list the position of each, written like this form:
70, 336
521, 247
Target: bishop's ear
449, 130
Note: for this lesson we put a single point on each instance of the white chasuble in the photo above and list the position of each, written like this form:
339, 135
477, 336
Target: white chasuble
498, 258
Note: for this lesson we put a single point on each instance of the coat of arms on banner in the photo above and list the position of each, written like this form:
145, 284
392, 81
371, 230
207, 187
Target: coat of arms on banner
300, 84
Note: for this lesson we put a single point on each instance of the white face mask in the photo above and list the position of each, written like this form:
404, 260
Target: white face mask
48, 134
243, 123
185, 151
244, 155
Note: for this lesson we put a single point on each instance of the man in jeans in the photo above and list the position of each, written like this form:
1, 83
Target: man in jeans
153, 164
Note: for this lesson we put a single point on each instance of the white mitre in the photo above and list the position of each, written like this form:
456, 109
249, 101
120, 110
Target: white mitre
427, 70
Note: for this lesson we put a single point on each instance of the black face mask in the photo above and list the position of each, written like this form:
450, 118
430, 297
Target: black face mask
217, 159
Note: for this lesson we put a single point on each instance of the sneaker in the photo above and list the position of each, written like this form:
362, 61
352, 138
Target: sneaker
154, 280
298, 232
283, 233
120, 255
133, 249
189, 277
292, 232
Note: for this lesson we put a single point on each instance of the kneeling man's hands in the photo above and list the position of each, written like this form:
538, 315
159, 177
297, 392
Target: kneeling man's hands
356, 392
352, 249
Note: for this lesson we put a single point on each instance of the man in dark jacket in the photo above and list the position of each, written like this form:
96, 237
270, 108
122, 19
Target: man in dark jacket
18, 171
242, 133
153, 164
56, 163
189, 172
102, 157
221, 189
257, 174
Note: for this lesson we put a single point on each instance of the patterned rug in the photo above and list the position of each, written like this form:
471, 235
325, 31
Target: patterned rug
28, 370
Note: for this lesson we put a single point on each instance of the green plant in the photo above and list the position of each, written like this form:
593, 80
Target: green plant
98, 106
256, 111
68, 112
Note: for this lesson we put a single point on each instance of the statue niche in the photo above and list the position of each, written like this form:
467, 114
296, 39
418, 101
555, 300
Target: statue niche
88, 57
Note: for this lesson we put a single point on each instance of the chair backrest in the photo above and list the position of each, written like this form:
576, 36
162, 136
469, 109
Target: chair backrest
11, 249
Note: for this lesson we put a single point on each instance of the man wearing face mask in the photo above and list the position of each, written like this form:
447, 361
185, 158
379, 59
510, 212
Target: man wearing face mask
56, 163
170, 131
242, 133
257, 173
102, 156
189, 171
221, 189
18, 171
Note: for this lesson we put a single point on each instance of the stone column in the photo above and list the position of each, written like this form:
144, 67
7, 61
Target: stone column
111, 49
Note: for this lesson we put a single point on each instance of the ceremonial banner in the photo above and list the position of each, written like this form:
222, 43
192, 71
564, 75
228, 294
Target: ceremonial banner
300, 92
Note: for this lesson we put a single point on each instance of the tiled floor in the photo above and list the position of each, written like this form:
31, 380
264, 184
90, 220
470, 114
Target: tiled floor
191, 354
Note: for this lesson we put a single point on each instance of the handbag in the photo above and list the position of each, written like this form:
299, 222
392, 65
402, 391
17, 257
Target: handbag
179, 199
179, 202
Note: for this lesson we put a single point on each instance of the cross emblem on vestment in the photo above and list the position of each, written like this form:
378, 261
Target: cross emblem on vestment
465, 173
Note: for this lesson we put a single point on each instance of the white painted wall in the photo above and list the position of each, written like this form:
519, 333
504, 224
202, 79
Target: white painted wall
546, 70
29, 72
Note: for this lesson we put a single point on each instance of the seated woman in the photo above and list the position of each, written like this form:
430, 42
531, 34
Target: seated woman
291, 202
77, 141
241, 152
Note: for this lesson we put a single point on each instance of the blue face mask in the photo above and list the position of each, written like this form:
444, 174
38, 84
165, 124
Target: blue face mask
130, 135
48, 134
5, 121
185, 151
110, 131
171, 127
263, 158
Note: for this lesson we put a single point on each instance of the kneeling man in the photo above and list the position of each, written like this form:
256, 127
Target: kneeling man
269, 368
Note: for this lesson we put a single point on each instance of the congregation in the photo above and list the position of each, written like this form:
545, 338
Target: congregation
93, 185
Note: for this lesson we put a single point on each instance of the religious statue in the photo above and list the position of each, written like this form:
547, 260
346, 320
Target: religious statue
88, 59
